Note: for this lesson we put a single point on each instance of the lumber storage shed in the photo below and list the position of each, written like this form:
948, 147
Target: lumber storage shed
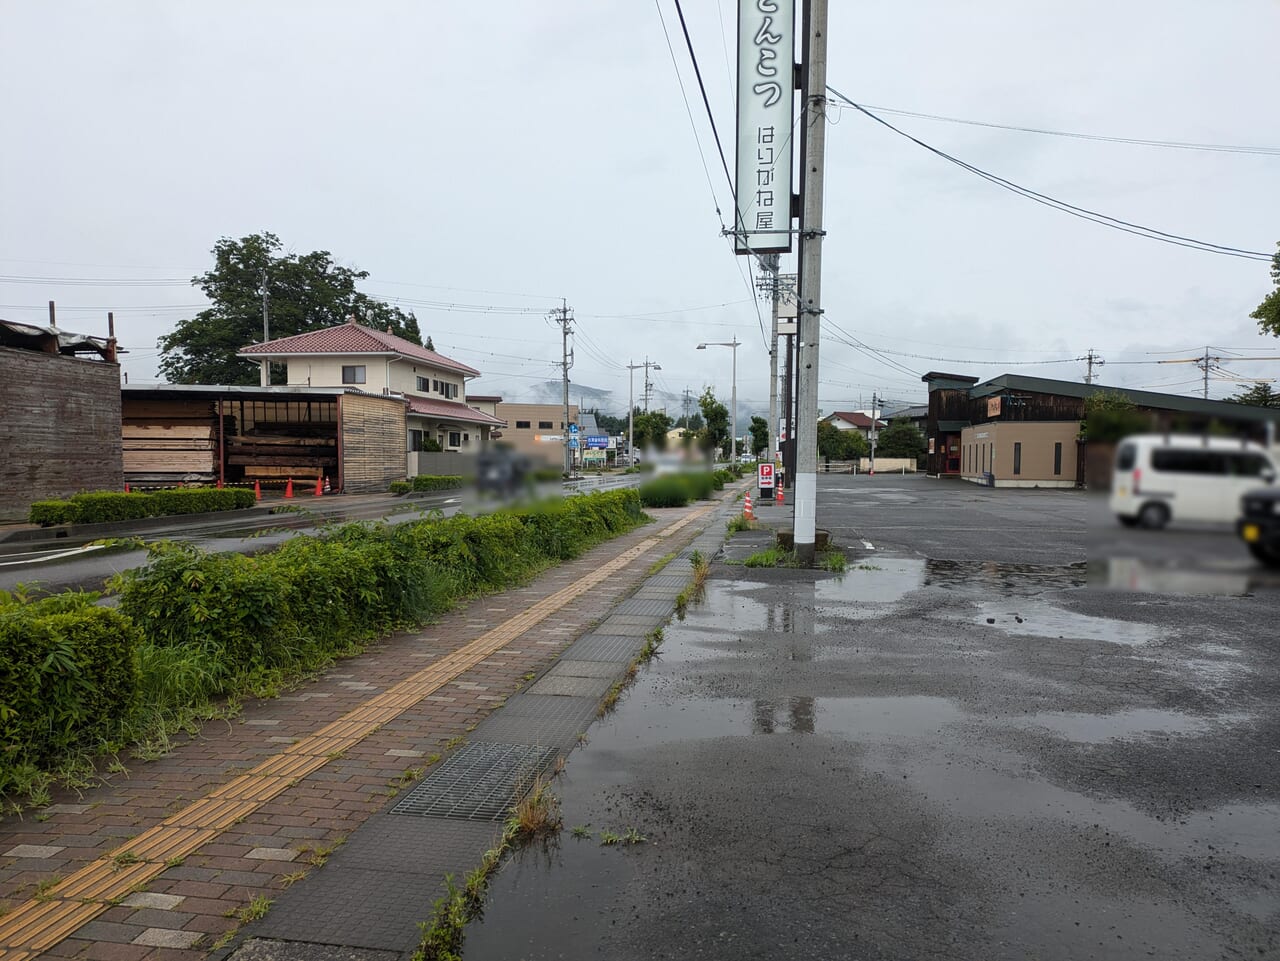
198, 434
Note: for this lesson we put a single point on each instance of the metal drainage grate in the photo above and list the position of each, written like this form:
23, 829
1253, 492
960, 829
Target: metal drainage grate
479, 783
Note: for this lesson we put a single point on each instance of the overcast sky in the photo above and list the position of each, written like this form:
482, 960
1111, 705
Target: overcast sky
505, 155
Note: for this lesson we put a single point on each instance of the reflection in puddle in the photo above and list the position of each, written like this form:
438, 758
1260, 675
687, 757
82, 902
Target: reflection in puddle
856, 718
1131, 574
1038, 619
1140, 722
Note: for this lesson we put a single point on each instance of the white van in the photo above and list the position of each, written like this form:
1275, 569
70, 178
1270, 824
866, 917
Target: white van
1179, 477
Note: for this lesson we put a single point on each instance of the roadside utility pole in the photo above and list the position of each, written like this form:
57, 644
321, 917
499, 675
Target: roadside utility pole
872, 434
563, 317
769, 264
1094, 361
266, 331
814, 119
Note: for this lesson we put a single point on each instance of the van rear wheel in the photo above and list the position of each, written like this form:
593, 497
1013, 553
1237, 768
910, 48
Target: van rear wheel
1153, 516
1266, 554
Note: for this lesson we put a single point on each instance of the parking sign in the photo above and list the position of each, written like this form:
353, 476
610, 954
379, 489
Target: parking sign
764, 475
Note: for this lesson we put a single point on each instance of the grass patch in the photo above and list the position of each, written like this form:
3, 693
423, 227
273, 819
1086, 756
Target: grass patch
254, 910
833, 561
662, 562
652, 641
739, 524
537, 814
628, 837
696, 587
769, 557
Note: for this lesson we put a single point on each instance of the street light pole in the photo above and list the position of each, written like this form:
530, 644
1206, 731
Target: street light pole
735, 344
631, 404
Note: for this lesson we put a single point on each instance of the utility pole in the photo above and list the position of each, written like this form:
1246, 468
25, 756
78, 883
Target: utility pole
687, 398
814, 119
648, 384
873, 433
1094, 360
1205, 368
769, 264
563, 317
266, 331
631, 403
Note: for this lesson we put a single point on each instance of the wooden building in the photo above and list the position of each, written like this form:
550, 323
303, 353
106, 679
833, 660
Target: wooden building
60, 399
176, 434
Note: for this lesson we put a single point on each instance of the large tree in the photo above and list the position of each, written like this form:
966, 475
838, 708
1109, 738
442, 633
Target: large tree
304, 292
1259, 395
1267, 313
714, 436
651, 430
837, 444
759, 430
900, 439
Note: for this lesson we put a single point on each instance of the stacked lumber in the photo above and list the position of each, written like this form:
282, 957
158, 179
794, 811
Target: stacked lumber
175, 452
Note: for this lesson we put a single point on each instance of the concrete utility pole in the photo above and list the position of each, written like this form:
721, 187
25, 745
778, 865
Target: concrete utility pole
266, 332
631, 404
769, 264
872, 434
648, 384
1094, 360
563, 317
735, 344
814, 119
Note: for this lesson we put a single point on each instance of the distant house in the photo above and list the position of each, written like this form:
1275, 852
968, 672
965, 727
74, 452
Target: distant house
351, 355
917, 416
538, 431
855, 420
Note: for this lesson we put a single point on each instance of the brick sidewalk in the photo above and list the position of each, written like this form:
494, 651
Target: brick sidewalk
196, 901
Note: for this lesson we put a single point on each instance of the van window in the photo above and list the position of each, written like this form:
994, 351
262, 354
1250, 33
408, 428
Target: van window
1246, 465
1177, 461
1127, 457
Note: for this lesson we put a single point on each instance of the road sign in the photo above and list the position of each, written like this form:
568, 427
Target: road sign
764, 476
573, 428
573, 443
598, 441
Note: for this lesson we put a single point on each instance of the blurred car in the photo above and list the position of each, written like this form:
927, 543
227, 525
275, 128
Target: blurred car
1179, 477
1259, 524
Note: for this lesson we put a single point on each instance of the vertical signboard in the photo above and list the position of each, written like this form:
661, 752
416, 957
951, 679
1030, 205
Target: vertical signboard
766, 55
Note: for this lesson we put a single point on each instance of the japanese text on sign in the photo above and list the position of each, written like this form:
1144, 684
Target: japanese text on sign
766, 45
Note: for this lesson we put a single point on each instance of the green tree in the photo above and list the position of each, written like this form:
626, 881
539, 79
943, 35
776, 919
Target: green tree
1110, 415
609, 423
304, 292
759, 435
1267, 313
714, 436
428, 344
651, 430
837, 444
1259, 395
900, 439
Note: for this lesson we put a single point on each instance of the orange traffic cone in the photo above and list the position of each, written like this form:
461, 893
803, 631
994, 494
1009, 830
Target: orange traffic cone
319, 487
327, 488
746, 508
779, 496
288, 488
257, 490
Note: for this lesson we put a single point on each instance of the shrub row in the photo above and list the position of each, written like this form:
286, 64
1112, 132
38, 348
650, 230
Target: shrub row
193, 625
436, 482
69, 674
677, 490
101, 507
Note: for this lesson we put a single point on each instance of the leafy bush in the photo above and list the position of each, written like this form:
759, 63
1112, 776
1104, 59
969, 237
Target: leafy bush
701, 485
401, 487
49, 513
436, 482
544, 475
200, 500
103, 507
668, 490
67, 678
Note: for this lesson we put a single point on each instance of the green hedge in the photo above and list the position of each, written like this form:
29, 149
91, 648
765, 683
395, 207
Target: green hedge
677, 490
547, 474
102, 507
401, 487
68, 678
436, 482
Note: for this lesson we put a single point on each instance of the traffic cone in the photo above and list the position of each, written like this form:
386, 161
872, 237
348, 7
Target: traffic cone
288, 488
257, 490
126, 488
219, 483
780, 498
319, 487
746, 508
327, 488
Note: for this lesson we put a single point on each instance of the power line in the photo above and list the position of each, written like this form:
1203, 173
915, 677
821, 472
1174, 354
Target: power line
1136, 141
705, 102
1082, 212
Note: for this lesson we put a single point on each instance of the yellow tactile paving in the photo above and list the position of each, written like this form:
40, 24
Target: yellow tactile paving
36, 925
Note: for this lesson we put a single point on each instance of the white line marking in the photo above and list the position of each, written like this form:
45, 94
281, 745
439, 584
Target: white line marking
868, 545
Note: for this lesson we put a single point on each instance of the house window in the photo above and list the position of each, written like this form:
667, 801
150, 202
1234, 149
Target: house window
435, 386
1017, 458
455, 438
522, 425
423, 384
1057, 458
466, 438
415, 440
544, 425
353, 373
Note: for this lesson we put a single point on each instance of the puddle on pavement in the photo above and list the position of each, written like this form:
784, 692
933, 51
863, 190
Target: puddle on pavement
1132, 574
1038, 619
652, 722
1137, 723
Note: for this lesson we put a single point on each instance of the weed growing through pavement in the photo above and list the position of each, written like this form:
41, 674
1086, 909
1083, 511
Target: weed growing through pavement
581, 831
536, 815
662, 562
697, 587
123, 860
290, 879
628, 837
833, 561
255, 909
739, 524
652, 641
45, 885
224, 939
868, 567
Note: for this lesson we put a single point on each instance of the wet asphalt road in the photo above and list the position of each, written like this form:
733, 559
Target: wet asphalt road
957, 750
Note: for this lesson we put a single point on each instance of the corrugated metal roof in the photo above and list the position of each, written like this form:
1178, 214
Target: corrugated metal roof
352, 338
1143, 398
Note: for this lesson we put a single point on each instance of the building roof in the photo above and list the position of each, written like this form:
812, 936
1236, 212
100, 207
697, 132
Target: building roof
484, 398
250, 391
35, 337
450, 410
352, 338
914, 413
857, 419
1142, 398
